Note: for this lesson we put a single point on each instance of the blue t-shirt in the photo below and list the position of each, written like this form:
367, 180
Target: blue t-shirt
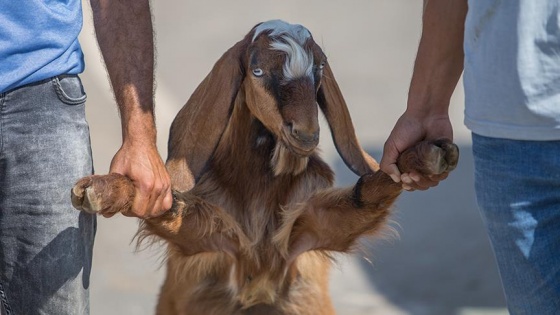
39, 40
512, 69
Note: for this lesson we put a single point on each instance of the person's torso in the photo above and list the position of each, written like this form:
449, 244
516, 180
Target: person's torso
512, 69
39, 40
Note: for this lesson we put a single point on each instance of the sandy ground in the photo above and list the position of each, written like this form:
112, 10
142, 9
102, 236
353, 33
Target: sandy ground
439, 264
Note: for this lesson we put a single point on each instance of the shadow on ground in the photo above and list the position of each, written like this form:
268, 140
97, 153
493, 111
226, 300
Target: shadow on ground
441, 263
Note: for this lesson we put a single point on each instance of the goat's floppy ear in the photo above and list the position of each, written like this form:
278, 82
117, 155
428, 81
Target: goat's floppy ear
334, 108
199, 125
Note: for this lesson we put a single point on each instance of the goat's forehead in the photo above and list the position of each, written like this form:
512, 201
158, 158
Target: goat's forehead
278, 28
290, 39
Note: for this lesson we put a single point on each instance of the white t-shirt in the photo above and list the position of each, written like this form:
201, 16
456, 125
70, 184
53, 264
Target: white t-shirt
512, 69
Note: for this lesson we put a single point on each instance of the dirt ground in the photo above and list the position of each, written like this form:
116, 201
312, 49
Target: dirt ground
440, 263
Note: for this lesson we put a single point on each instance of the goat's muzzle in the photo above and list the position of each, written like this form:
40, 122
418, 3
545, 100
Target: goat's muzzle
299, 140
305, 136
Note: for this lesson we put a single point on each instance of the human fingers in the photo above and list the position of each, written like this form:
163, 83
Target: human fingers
164, 198
388, 162
163, 203
153, 197
143, 199
167, 200
414, 181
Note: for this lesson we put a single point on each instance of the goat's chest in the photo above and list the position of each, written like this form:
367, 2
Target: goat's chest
258, 204
258, 213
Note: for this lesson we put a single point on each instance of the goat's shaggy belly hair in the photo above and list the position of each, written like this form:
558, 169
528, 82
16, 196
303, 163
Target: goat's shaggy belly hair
255, 217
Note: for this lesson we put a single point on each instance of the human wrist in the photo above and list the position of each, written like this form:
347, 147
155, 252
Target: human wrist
423, 109
139, 129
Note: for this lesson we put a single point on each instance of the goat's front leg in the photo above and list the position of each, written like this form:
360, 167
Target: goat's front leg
195, 226
192, 224
333, 219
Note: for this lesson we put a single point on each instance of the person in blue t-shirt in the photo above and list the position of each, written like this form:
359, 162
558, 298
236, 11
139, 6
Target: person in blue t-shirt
46, 245
510, 53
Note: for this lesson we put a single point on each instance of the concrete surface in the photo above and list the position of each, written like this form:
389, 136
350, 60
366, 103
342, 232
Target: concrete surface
439, 264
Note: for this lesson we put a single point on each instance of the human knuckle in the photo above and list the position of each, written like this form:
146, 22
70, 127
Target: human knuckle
147, 186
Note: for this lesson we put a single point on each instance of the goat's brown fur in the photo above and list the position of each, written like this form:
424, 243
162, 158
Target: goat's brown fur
255, 215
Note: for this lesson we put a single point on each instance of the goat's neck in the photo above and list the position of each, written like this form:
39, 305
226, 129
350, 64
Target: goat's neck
249, 149
242, 166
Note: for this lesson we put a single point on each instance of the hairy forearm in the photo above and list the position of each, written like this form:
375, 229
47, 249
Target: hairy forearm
125, 36
439, 61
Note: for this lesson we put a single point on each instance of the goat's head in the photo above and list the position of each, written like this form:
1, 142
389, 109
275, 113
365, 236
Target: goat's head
284, 75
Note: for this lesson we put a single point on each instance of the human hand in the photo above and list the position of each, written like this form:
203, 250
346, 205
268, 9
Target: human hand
410, 129
142, 163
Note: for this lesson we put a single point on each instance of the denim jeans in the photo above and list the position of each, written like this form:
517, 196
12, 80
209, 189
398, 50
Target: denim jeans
518, 192
45, 244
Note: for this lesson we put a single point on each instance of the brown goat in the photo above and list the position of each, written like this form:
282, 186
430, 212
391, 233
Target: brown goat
255, 216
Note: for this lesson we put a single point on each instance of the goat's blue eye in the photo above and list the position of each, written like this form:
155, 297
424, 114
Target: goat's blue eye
258, 72
322, 65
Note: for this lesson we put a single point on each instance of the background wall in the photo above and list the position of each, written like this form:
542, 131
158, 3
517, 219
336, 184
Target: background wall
440, 263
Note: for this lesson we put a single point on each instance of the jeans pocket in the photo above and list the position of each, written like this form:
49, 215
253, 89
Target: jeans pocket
69, 89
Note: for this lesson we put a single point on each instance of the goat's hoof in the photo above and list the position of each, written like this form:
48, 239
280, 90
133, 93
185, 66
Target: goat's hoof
441, 156
84, 197
430, 158
103, 194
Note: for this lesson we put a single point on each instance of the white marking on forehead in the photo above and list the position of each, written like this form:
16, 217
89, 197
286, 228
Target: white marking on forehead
299, 62
289, 38
279, 27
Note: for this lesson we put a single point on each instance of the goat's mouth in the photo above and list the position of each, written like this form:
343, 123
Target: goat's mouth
298, 147
299, 150
291, 155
